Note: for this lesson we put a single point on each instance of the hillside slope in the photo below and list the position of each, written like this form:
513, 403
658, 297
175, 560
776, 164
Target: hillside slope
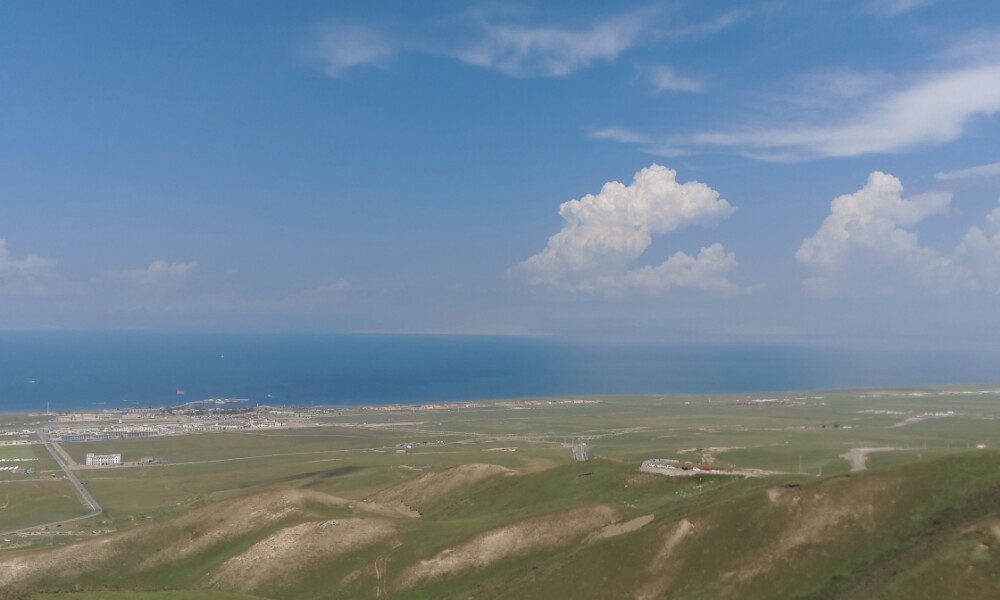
928, 529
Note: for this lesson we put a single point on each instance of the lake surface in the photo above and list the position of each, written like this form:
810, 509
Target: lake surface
82, 370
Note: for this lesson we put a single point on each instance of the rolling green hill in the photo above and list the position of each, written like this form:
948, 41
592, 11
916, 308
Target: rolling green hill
926, 529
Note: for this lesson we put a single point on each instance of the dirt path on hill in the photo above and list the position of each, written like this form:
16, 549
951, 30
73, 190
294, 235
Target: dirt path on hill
858, 457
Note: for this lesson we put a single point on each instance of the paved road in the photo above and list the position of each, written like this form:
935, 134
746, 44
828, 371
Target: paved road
88, 501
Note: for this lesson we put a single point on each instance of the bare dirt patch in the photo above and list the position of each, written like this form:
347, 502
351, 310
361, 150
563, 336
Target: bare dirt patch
812, 519
616, 529
858, 457
67, 560
534, 464
664, 566
200, 529
995, 530
416, 494
196, 531
708, 455
909, 421
278, 558
516, 539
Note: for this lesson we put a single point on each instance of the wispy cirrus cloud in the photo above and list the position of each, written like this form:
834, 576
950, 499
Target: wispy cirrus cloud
521, 50
320, 295
623, 136
518, 47
517, 50
856, 114
525, 51
712, 26
894, 8
988, 170
935, 109
342, 47
838, 91
651, 144
664, 78
158, 272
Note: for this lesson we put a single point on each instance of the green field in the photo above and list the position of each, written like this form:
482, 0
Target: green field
488, 502
167, 595
24, 502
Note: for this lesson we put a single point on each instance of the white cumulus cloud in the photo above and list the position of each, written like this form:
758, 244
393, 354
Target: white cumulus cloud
604, 234
980, 251
867, 242
707, 270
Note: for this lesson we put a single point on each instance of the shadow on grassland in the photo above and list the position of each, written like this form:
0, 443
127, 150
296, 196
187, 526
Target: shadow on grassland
309, 479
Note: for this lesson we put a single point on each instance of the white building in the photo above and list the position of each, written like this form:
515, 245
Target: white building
103, 459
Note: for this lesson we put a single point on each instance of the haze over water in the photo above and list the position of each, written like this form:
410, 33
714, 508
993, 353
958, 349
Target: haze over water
79, 370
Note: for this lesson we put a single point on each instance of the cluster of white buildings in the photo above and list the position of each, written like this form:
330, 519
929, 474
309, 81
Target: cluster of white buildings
85, 417
112, 432
122, 431
234, 423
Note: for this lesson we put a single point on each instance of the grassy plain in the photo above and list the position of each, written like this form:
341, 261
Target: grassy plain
161, 595
23, 503
921, 514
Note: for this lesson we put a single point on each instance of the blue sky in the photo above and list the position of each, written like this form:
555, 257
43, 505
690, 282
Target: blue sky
450, 167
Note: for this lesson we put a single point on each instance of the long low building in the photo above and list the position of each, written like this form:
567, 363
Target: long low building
103, 459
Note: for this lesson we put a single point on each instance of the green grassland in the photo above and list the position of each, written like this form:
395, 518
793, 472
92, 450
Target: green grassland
43, 460
339, 513
23, 502
162, 595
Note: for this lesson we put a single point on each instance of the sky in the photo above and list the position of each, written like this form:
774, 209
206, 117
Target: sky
680, 170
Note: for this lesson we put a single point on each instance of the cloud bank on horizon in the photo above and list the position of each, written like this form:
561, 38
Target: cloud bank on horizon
30, 275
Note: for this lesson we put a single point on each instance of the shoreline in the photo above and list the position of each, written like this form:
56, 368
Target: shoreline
975, 388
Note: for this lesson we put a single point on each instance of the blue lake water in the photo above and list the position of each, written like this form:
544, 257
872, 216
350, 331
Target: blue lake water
80, 370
